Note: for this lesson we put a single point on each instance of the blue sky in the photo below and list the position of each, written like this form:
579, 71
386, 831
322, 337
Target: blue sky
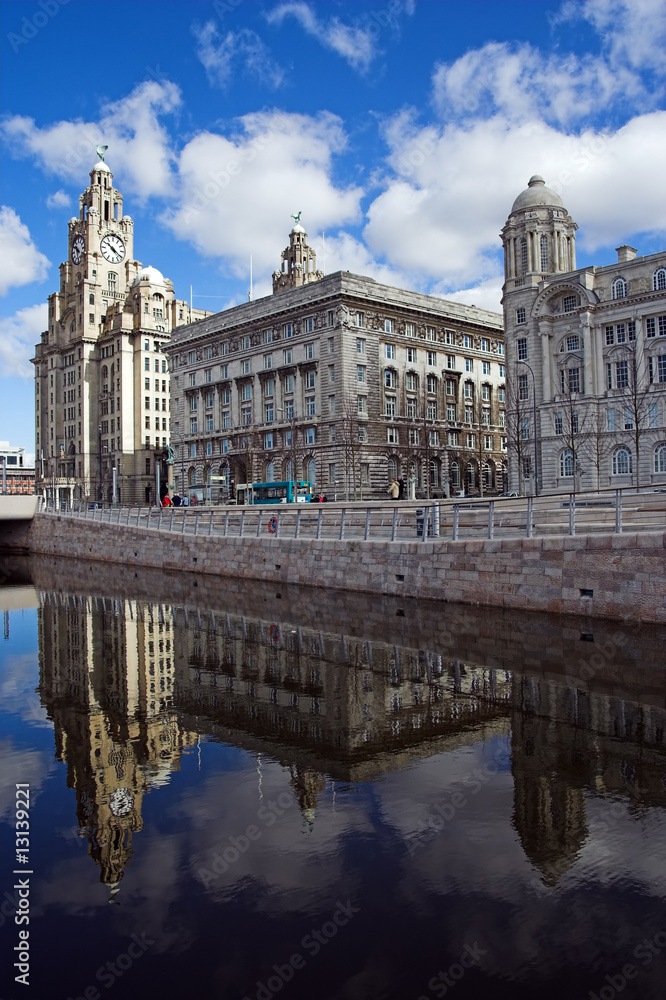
401, 130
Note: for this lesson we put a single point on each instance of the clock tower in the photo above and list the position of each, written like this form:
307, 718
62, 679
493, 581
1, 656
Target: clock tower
101, 379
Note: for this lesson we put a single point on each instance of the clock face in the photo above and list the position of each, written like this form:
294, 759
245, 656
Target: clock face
78, 249
121, 802
113, 248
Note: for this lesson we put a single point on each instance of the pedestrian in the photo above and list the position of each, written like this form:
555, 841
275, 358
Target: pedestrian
166, 501
185, 502
401, 488
393, 490
176, 500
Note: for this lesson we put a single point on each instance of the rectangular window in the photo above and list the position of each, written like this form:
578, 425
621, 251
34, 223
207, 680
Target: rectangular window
208, 353
392, 435
653, 415
431, 410
485, 417
468, 390
331, 472
289, 383
485, 392
628, 420
451, 362
485, 344
268, 336
525, 428
191, 357
469, 415
224, 371
246, 391
450, 412
610, 336
362, 404
389, 351
331, 404
621, 374
488, 442
430, 333
226, 420
413, 436
360, 319
390, 378
467, 341
569, 303
269, 413
409, 330
309, 380
308, 325
224, 347
523, 387
574, 380
485, 367
389, 406
245, 367
193, 425
661, 323
558, 424
209, 422
360, 345
209, 399
309, 406
268, 361
501, 371
309, 351
621, 333
433, 439
411, 407
225, 396
450, 387
268, 439
650, 327
309, 435
521, 348
193, 402
245, 343
269, 387
611, 420
331, 374
470, 440
631, 330
411, 355
246, 415
388, 326
331, 345
432, 358
288, 356
411, 382
287, 331
469, 364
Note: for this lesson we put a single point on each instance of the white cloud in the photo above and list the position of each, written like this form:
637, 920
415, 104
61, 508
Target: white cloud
237, 193
485, 295
356, 44
452, 188
18, 335
632, 32
20, 260
59, 199
219, 53
139, 145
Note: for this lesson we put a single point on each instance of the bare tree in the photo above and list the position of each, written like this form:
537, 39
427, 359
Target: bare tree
597, 443
574, 421
348, 428
517, 409
630, 377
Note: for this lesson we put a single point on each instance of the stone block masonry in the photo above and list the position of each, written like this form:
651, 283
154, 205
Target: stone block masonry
620, 577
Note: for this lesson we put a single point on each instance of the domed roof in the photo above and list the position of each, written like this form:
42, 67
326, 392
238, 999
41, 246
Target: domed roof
101, 165
536, 194
298, 229
150, 274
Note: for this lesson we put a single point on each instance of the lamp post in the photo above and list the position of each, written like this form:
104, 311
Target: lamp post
536, 450
99, 432
182, 461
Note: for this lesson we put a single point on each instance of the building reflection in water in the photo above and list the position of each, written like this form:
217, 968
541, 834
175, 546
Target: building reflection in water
130, 685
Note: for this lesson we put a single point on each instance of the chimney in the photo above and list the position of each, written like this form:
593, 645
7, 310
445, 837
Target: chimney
625, 253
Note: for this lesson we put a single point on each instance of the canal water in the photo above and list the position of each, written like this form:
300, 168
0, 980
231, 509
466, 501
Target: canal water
249, 793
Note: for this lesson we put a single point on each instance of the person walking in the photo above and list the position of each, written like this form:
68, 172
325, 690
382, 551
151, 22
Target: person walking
393, 490
401, 488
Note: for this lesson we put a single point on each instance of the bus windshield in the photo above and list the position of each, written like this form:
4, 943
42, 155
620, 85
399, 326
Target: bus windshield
289, 491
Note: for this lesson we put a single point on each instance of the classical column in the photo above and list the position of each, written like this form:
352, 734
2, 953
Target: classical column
545, 364
590, 386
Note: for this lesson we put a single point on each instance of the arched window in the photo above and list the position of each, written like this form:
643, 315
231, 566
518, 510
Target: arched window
619, 288
622, 462
566, 463
434, 473
659, 279
523, 255
392, 468
289, 469
191, 476
269, 472
543, 247
311, 469
660, 458
91, 299
112, 281
105, 372
455, 474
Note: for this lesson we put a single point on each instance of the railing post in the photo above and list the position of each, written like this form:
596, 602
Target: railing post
171, 518
456, 516
435, 520
366, 533
297, 529
572, 513
150, 510
159, 519
320, 518
394, 524
491, 519
426, 519
196, 521
618, 512
242, 522
210, 523
129, 511
529, 526
342, 523
226, 523
259, 513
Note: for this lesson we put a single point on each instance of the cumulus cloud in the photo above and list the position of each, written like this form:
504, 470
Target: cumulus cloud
451, 188
59, 199
237, 192
18, 335
220, 54
139, 144
20, 260
355, 44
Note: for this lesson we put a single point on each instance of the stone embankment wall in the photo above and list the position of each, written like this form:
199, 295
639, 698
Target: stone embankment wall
621, 577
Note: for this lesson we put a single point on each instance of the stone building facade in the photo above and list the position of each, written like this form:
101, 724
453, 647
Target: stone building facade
341, 381
586, 356
101, 375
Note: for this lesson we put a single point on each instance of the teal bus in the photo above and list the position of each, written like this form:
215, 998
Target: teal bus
289, 491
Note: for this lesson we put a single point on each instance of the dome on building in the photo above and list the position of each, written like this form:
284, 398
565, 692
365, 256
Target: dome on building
101, 165
536, 194
298, 229
150, 274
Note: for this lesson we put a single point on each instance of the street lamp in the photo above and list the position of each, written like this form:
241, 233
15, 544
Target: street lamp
536, 451
182, 461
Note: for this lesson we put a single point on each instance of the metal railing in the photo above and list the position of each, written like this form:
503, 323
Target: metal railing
612, 512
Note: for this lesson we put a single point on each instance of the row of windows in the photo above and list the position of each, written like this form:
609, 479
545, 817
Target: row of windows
621, 462
411, 355
615, 419
454, 439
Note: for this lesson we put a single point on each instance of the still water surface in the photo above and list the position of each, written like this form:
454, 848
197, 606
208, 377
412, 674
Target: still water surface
295, 794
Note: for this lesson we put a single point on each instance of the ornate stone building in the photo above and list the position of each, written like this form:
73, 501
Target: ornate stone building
101, 377
341, 381
586, 356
